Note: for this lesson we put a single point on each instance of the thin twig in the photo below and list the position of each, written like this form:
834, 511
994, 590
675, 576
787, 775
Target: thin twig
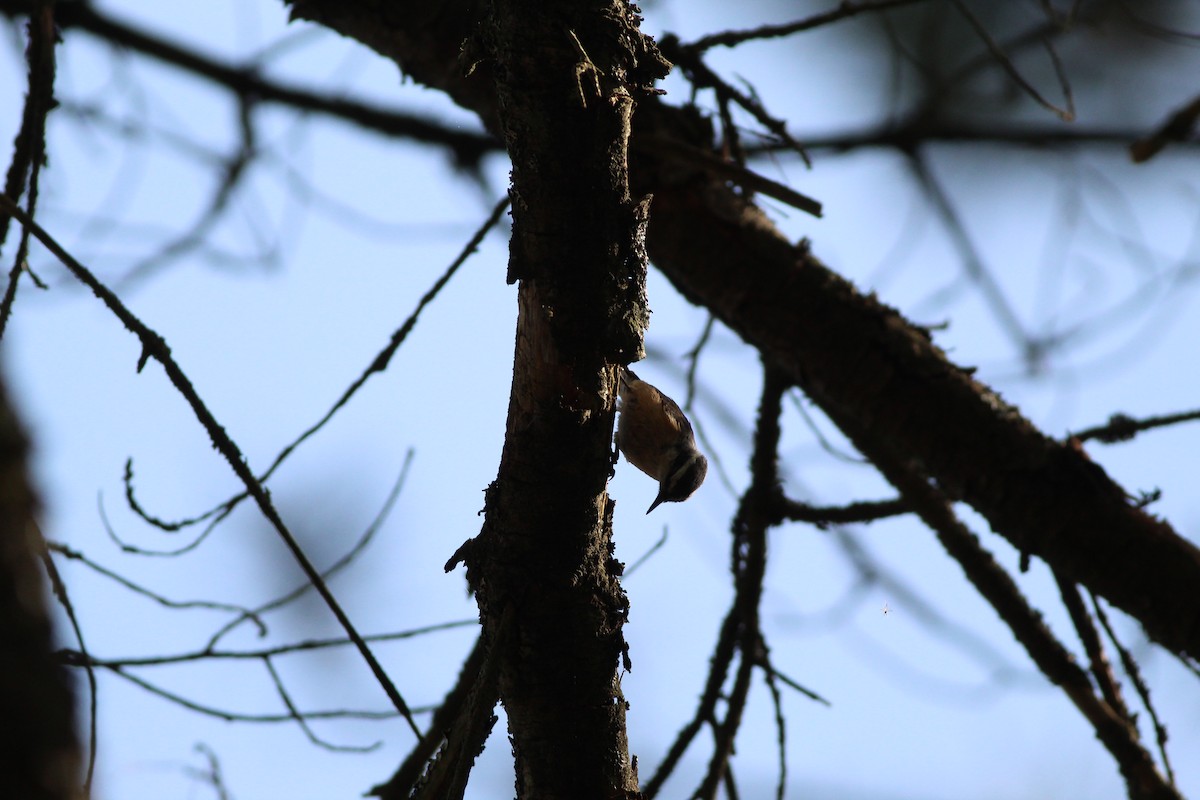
212, 776
378, 364
730, 782
75, 555
446, 778
769, 667
1047, 652
74, 658
1100, 667
932, 614
29, 148
154, 346
60, 591
232, 170
654, 548
693, 359
822, 439
1066, 115
972, 261
914, 130
844, 10
1122, 427
1129, 664
719, 769
780, 720
302, 721
1064, 83
824, 516
402, 782
718, 167
701, 76
367, 536
236, 716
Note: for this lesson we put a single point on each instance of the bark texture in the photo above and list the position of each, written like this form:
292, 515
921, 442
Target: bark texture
549, 593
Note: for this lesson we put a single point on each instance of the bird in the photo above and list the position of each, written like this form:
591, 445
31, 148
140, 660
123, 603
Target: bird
656, 437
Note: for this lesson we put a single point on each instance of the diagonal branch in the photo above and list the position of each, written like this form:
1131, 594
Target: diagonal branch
861, 361
890, 389
154, 346
1115, 732
844, 10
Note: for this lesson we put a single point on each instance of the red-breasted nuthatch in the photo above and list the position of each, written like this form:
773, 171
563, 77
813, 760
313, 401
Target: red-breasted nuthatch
656, 437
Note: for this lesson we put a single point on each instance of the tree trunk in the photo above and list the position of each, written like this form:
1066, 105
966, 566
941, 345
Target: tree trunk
39, 755
548, 587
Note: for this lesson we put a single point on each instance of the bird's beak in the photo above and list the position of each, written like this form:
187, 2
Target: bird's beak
658, 500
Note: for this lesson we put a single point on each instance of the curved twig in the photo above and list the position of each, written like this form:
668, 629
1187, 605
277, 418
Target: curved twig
154, 346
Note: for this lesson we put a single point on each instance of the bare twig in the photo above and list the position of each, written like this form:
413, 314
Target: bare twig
446, 778
693, 359
1122, 427
237, 716
60, 591
725, 732
780, 720
302, 721
932, 614
1064, 83
1142, 777
1129, 664
1100, 667
212, 776
979, 273
367, 536
654, 548
29, 149
910, 132
819, 435
774, 674
824, 516
154, 346
728, 170
75, 555
1001, 57
402, 782
701, 76
845, 10
73, 658
377, 365
232, 170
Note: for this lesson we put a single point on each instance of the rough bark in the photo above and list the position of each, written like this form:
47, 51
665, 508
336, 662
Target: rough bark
542, 568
